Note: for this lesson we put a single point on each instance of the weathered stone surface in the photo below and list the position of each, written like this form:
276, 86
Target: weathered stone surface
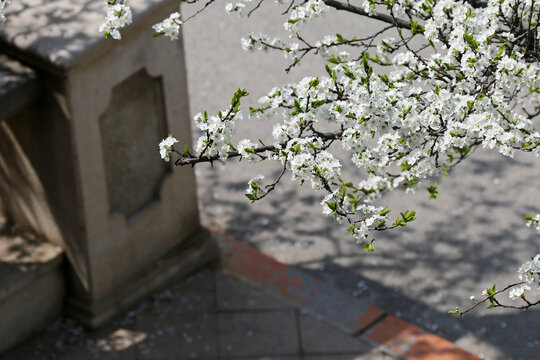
134, 176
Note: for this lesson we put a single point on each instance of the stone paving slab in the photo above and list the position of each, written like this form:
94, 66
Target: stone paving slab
258, 333
333, 340
233, 295
183, 336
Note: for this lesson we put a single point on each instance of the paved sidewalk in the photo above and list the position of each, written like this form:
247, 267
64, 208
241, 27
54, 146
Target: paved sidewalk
274, 312
208, 316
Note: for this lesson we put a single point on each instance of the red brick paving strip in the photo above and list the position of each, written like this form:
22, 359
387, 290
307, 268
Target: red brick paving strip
350, 314
414, 343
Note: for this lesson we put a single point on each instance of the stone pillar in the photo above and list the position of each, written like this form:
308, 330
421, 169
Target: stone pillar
129, 223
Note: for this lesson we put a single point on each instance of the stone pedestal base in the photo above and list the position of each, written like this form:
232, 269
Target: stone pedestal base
192, 255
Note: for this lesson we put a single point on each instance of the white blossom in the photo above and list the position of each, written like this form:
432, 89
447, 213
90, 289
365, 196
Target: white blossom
165, 147
530, 271
169, 27
118, 16
518, 291
237, 7
247, 149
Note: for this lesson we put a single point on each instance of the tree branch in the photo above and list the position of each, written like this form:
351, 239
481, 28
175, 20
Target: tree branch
182, 160
378, 16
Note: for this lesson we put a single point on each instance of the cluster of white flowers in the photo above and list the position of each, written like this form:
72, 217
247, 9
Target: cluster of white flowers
324, 43
255, 189
306, 161
238, 7
166, 146
118, 16
530, 271
217, 133
369, 7
246, 148
258, 41
3, 4
518, 291
304, 13
169, 27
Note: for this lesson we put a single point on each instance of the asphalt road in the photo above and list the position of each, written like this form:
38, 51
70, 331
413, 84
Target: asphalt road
470, 237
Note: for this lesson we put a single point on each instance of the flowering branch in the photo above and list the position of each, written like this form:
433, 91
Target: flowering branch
496, 303
470, 78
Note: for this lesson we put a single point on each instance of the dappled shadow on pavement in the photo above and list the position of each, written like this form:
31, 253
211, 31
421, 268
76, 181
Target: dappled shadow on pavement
472, 236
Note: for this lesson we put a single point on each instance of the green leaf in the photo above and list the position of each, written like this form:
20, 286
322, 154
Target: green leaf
318, 103
297, 107
433, 193
405, 166
407, 110
365, 60
328, 70
408, 215
314, 82
349, 73
334, 59
332, 205
369, 247
385, 211
340, 38
399, 222
469, 39
415, 29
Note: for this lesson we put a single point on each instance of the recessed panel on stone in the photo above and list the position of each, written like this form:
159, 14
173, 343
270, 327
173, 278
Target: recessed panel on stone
131, 128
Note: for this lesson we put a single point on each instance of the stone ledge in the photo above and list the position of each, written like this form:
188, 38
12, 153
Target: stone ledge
61, 34
32, 288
